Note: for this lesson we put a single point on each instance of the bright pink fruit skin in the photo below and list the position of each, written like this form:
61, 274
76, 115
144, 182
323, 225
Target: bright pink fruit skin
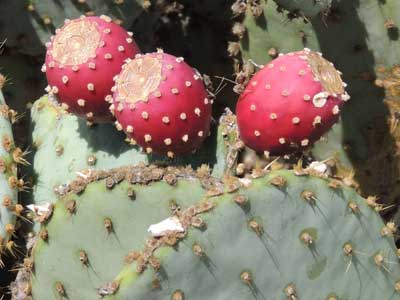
276, 112
116, 45
176, 118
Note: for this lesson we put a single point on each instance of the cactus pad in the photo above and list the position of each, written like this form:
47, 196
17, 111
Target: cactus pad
282, 236
10, 156
94, 225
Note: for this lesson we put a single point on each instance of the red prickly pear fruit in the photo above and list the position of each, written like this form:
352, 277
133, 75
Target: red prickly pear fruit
290, 103
161, 103
81, 61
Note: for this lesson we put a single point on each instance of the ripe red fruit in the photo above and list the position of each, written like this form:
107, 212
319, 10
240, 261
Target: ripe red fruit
161, 104
290, 103
81, 61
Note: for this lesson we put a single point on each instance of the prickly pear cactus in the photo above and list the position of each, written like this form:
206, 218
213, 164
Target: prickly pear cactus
115, 223
10, 156
281, 236
38, 19
99, 219
71, 146
371, 43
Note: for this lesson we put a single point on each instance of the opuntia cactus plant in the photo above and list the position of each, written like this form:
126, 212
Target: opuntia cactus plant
185, 200
305, 236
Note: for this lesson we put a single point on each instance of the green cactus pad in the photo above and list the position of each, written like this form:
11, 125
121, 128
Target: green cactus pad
283, 237
99, 219
8, 178
280, 237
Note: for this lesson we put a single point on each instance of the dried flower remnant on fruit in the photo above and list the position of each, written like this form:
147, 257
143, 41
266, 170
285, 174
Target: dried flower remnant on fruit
140, 78
76, 43
326, 73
